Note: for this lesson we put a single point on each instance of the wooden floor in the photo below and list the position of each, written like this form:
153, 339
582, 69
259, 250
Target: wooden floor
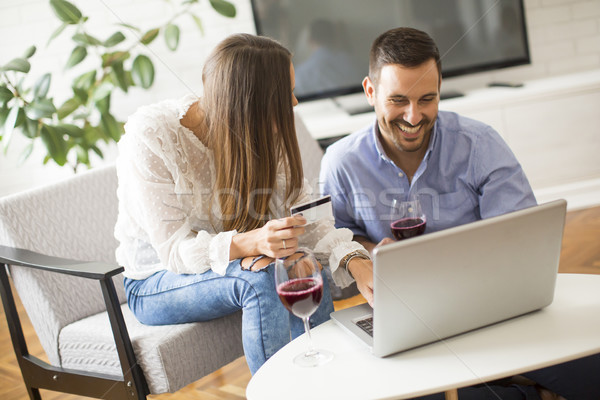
580, 254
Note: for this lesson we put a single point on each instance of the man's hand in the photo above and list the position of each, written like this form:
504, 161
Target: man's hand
385, 241
362, 271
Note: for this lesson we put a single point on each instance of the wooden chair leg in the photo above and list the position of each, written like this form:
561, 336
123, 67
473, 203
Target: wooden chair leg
452, 394
34, 394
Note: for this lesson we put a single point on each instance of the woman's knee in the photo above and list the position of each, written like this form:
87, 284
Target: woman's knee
259, 284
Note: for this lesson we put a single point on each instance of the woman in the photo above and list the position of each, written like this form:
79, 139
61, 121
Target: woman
204, 189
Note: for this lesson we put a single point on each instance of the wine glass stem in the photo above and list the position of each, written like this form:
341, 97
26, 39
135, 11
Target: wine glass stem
311, 348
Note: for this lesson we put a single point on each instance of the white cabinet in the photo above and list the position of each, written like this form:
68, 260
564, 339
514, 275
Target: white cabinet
552, 125
557, 139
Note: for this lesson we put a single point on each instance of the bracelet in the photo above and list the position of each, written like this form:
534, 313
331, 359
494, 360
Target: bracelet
348, 257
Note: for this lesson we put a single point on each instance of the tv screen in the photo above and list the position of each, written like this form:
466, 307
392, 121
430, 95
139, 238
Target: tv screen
330, 39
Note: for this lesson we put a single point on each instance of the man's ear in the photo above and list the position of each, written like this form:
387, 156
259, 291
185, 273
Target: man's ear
369, 89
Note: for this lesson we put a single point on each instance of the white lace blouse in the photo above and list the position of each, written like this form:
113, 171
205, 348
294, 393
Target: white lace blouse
166, 177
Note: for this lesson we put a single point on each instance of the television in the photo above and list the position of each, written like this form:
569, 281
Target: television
330, 39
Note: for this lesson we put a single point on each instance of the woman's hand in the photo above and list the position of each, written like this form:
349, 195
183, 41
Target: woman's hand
277, 238
362, 271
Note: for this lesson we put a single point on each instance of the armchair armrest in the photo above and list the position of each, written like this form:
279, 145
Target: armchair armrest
84, 269
46, 376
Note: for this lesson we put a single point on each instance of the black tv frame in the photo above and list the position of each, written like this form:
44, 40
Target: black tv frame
446, 73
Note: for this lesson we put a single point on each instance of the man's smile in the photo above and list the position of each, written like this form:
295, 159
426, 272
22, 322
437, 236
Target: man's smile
409, 131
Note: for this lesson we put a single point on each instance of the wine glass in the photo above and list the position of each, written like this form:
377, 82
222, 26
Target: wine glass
408, 219
300, 287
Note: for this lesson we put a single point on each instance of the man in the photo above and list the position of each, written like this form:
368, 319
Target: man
460, 169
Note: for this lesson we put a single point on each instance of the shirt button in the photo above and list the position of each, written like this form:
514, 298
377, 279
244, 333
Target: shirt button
400, 174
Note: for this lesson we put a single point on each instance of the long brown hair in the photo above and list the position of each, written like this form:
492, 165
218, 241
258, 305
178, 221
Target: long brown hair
248, 107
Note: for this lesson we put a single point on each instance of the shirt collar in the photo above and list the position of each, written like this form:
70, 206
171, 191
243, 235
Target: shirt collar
433, 138
379, 146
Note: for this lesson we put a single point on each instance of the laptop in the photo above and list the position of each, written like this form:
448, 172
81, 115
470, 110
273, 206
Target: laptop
445, 283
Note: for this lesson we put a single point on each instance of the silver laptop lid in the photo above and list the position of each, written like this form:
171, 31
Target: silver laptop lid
445, 283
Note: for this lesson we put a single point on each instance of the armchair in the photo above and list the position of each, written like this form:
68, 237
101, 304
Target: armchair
94, 344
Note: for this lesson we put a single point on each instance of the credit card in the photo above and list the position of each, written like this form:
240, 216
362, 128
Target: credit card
314, 210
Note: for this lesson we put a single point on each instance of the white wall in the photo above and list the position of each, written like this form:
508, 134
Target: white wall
564, 37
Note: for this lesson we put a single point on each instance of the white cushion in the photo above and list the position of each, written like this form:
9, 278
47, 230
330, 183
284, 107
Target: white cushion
171, 356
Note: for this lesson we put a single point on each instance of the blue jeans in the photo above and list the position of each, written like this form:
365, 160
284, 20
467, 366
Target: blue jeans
167, 298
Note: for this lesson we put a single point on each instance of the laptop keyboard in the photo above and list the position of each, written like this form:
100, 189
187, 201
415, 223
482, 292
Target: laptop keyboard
366, 324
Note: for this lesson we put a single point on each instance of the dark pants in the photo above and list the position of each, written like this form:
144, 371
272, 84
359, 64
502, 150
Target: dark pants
574, 380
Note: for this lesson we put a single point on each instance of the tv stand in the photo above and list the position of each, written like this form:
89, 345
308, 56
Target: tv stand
353, 104
505, 84
358, 110
450, 94
557, 164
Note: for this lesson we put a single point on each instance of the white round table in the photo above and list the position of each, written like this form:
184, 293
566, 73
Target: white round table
567, 329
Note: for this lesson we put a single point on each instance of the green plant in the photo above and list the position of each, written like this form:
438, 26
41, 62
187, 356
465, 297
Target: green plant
72, 129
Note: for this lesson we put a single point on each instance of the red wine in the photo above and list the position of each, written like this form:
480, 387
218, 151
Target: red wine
408, 227
301, 296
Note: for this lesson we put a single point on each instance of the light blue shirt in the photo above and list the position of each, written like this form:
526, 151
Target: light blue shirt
468, 173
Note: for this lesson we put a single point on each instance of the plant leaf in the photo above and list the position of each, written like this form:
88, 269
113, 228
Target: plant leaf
111, 126
223, 7
114, 39
71, 130
120, 76
25, 154
77, 56
117, 57
20, 118
198, 22
172, 36
149, 36
68, 107
82, 155
55, 143
82, 115
102, 91
85, 81
103, 104
135, 28
3, 114
17, 64
30, 128
96, 150
142, 71
66, 11
40, 108
9, 125
40, 89
80, 94
6, 95
57, 32
29, 52
86, 40
91, 134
